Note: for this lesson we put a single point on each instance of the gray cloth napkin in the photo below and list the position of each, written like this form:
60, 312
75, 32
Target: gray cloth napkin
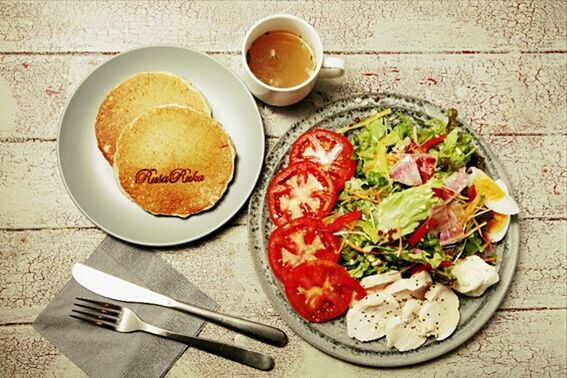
105, 353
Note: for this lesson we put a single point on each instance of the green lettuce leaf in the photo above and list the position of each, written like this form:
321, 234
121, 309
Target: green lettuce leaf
401, 212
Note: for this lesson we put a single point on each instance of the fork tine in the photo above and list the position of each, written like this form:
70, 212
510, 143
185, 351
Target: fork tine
103, 310
97, 317
104, 304
95, 322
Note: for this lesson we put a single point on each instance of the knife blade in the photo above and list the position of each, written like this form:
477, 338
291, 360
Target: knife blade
112, 287
116, 288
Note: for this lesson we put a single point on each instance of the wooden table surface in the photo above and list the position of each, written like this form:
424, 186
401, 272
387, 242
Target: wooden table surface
502, 64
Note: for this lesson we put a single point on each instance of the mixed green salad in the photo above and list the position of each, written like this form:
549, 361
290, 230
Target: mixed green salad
412, 221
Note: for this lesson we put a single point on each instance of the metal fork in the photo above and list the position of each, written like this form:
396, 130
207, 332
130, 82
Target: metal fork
122, 319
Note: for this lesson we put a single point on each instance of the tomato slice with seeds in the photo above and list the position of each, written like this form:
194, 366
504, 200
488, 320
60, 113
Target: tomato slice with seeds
301, 189
321, 290
303, 239
330, 150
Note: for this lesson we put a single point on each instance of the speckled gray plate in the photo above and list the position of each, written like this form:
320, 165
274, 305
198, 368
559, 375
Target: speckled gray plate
89, 179
331, 337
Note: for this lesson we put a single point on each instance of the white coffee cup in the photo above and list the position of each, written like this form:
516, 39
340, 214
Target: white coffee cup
325, 67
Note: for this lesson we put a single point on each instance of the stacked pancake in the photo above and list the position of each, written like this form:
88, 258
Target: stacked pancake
169, 155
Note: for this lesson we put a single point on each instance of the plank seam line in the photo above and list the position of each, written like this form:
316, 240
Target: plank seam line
76, 228
232, 225
525, 309
24, 229
16, 140
332, 52
518, 309
26, 139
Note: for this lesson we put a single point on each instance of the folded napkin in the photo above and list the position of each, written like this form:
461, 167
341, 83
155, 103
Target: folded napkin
105, 353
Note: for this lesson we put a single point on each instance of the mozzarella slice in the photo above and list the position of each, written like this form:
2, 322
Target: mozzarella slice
378, 282
418, 284
366, 321
403, 336
473, 276
410, 311
397, 287
439, 315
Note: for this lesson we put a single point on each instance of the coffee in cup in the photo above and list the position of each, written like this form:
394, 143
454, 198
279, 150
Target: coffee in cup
281, 59
282, 56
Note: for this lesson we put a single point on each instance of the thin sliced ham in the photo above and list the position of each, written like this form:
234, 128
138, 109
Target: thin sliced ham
425, 165
406, 172
456, 183
447, 225
452, 235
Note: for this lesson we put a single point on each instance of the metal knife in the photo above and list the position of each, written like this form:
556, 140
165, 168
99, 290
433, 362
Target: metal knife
118, 289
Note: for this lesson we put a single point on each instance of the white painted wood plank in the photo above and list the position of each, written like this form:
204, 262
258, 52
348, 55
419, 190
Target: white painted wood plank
33, 195
525, 343
345, 26
36, 264
495, 94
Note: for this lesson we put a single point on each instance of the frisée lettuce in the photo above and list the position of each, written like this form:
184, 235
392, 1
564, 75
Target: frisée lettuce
421, 223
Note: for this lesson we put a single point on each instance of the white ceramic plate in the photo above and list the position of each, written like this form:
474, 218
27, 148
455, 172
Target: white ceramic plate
89, 178
331, 337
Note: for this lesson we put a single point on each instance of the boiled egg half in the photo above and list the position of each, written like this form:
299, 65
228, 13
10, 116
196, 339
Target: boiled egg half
495, 193
497, 227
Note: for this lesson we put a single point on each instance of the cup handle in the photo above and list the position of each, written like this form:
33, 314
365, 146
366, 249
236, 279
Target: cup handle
332, 67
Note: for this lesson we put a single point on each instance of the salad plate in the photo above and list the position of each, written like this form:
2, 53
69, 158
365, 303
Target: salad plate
331, 337
89, 179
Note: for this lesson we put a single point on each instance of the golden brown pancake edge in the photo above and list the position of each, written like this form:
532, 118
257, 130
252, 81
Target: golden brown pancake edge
215, 158
138, 94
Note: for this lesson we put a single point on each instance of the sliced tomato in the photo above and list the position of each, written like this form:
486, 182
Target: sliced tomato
301, 189
330, 150
321, 290
344, 219
303, 239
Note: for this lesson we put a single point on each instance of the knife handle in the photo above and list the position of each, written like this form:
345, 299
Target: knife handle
249, 328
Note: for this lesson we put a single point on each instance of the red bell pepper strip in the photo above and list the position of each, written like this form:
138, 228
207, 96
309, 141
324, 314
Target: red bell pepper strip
344, 219
421, 231
445, 263
471, 193
432, 142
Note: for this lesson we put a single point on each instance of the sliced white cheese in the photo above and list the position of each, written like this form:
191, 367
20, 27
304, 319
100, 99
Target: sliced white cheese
410, 310
377, 282
473, 276
418, 284
397, 287
403, 336
439, 314
366, 320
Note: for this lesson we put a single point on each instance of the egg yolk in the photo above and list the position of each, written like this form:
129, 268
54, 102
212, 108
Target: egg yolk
488, 188
497, 223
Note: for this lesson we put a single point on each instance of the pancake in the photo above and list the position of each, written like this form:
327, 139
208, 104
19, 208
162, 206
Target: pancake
174, 160
136, 95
